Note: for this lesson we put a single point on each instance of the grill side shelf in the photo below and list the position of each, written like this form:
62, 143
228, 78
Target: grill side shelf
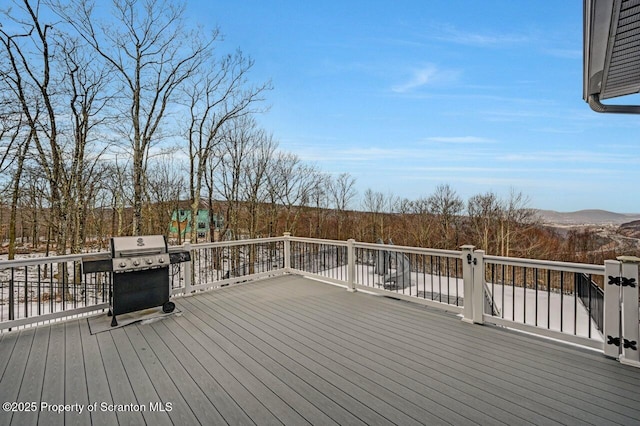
104, 263
97, 263
179, 256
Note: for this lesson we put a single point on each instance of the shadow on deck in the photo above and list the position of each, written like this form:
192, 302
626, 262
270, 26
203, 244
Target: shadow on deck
290, 350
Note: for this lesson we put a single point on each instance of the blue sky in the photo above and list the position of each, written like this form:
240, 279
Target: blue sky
409, 94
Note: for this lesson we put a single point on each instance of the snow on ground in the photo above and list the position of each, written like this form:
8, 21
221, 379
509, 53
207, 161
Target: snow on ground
553, 311
428, 286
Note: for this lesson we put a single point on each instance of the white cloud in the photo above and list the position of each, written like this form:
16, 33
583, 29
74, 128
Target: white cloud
564, 53
452, 34
375, 153
426, 75
571, 157
459, 139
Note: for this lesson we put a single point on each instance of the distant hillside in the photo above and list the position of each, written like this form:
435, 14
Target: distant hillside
630, 229
586, 217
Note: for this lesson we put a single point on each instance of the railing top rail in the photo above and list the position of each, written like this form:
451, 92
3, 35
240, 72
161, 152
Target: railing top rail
407, 249
34, 261
318, 241
236, 242
511, 261
584, 268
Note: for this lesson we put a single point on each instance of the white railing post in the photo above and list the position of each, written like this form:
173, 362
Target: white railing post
351, 265
287, 252
188, 270
629, 336
467, 282
611, 325
478, 286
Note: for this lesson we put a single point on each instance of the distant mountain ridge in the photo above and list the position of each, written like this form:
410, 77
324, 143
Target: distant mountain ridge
586, 217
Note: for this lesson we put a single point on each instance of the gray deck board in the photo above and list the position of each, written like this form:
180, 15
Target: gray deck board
348, 393
223, 402
305, 411
7, 342
15, 370
161, 381
305, 381
372, 388
309, 383
467, 362
53, 386
234, 378
195, 396
290, 350
119, 383
258, 400
391, 362
556, 385
319, 334
75, 382
98, 390
469, 356
269, 366
31, 385
141, 385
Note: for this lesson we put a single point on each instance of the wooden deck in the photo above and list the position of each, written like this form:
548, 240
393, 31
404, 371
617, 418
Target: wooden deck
290, 350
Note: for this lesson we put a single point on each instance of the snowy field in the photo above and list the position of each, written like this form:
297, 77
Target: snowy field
553, 311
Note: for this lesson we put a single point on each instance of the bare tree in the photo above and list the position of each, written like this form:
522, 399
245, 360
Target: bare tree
373, 203
51, 78
342, 192
292, 182
236, 144
220, 96
152, 54
320, 200
84, 86
166, 185
28, 53
120, 195
485, 211
255, 186
517, 216
420, 228
447, 206
254, 189
15, 136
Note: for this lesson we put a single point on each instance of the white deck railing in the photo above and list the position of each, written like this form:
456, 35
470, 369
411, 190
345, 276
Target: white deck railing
573, 302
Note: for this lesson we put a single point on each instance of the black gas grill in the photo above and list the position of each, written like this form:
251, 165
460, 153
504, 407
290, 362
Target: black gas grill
140, 270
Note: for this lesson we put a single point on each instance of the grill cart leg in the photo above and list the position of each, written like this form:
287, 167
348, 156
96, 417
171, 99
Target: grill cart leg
113, 321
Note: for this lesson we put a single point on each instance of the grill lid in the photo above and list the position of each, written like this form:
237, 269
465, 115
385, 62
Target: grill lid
138, 246
139, 253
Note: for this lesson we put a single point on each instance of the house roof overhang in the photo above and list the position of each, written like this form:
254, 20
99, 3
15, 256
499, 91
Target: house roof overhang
611, 53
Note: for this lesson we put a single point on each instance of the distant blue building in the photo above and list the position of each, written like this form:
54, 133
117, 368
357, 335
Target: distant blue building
182, 224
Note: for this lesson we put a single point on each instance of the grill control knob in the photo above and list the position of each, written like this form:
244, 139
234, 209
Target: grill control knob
149, 261
123, 264
161, 260
136, 262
